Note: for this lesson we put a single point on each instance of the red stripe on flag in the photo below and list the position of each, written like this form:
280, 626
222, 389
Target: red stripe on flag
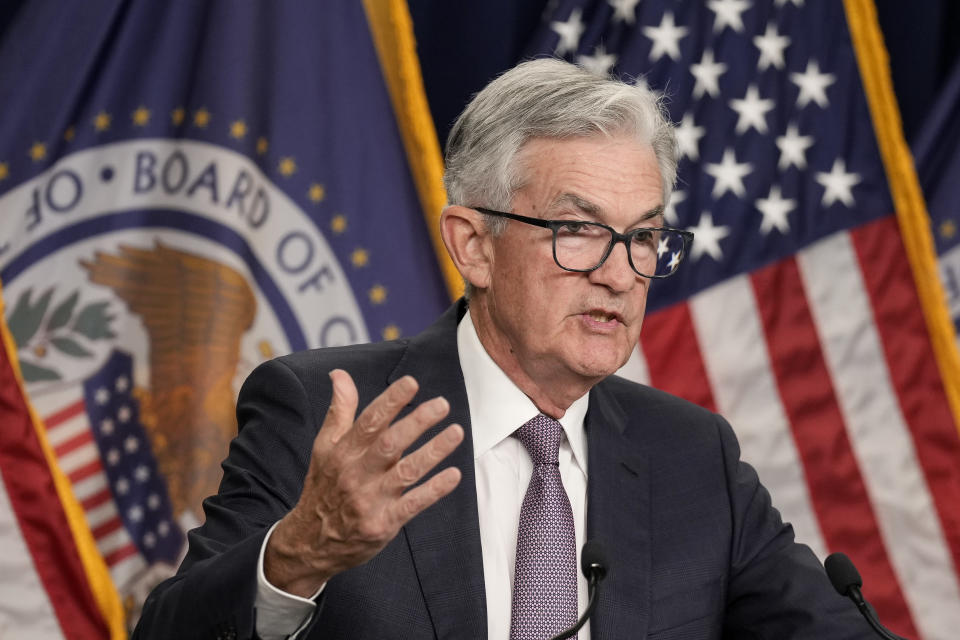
906, 344
64, 414
673, 356
837, 489
96, 500
39, 513
107, 527
84, 472
73, 443
121, 554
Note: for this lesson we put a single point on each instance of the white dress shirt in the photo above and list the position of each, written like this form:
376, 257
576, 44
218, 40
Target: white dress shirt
503, 470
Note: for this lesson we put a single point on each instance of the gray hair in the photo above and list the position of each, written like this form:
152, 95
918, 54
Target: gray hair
547, 98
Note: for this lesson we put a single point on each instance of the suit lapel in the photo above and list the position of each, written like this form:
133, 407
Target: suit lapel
618, 516
444, 540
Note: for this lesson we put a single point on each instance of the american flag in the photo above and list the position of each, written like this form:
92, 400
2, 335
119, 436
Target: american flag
101, 446
796, 314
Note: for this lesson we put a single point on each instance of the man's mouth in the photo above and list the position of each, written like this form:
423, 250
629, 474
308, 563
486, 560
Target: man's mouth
599, 315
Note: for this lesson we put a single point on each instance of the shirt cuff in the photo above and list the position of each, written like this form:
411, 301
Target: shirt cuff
280, 614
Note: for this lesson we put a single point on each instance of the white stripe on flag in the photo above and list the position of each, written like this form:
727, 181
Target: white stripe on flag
732, 343
75, 459
64, 431
879, 435
89, 487
112, 542
636, 367
26, 610
98, 515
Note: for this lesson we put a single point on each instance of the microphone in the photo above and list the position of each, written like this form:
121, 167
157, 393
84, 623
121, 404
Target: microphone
847, 581
593, 563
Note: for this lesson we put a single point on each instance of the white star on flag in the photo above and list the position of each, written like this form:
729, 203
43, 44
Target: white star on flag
624, 10
728, 14
708, 238
569, 32
838, 184
102, 396
775, 209
813, 85
670, 211
665, 38
771, 45
674, 260
728, 174
599, 63
662, 248
798, 3
106, 426
121, 384
707, 72
688, 137
751, 111
793, 147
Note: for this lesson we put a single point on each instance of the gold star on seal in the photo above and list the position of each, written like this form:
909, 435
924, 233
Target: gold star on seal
177, 116
262, 145
265, 349
360, 257
238, 129
69, 134
391, 332
201, 118
948, 229
38, 151
316, 192
378, 294
339, 223
101, 122
287, 166
4, 170
141, 116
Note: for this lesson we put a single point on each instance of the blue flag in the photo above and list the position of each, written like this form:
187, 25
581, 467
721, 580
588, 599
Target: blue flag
938, 166
188, 189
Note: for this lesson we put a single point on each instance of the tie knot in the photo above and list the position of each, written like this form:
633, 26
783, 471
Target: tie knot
541, 437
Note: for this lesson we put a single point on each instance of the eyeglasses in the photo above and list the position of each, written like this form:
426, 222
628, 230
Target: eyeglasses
653, 252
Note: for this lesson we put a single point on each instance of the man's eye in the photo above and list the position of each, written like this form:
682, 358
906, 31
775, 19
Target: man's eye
573, 227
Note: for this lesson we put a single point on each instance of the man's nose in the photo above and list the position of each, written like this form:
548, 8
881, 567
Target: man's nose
615, 273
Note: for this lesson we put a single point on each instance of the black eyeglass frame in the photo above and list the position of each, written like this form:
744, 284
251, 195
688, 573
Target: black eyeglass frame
555, 225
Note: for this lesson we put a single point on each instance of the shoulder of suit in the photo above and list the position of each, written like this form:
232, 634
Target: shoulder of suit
379, 356
631, 395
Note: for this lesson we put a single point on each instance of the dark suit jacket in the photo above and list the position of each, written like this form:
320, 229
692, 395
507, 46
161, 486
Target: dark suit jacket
695, 548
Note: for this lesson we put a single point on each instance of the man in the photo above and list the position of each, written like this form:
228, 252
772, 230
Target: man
337, 525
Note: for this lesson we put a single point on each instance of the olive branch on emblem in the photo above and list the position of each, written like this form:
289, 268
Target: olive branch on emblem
36, 329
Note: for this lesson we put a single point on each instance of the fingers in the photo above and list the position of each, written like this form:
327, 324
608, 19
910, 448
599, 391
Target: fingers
418, 499
394, 441
413, 467
378, 415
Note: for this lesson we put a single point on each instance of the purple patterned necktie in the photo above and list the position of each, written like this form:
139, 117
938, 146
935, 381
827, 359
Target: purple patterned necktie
545, 581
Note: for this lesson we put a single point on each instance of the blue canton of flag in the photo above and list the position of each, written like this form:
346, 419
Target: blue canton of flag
796, 314
138, 489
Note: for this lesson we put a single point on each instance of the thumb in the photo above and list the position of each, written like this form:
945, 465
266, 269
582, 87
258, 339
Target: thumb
343, 406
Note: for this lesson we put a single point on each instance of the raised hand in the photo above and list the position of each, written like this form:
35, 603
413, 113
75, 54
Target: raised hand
355, 496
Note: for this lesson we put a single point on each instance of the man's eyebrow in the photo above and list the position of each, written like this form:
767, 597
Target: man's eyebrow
589, 207
580, 203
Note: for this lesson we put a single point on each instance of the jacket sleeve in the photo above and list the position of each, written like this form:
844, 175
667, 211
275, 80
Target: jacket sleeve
212, 595
777, 588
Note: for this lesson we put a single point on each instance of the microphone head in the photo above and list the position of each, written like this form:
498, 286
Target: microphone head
842, 573
593, 561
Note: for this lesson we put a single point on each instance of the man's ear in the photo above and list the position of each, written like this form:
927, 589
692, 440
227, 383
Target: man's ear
468, 242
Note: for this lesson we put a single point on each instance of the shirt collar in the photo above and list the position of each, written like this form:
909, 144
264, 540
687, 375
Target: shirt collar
498, 407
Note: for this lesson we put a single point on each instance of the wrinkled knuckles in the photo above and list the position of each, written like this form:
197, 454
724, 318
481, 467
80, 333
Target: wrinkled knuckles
407, 471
